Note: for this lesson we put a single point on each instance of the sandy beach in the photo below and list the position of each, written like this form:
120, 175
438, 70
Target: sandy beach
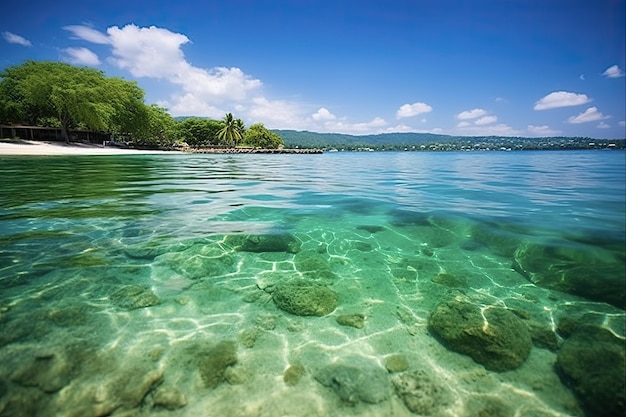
26, 147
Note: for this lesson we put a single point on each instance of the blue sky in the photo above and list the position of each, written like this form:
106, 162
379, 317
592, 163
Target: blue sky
479, 67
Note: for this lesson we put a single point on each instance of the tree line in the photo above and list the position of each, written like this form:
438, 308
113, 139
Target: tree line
56, 94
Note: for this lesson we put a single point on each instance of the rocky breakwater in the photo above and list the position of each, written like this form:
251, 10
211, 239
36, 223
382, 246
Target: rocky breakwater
256, 150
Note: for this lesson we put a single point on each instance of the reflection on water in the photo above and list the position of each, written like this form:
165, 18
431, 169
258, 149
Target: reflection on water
458, 284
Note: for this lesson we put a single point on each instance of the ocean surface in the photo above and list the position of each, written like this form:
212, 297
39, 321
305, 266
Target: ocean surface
308, 285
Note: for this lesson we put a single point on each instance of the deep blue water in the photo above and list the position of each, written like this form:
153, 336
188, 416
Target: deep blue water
123, 268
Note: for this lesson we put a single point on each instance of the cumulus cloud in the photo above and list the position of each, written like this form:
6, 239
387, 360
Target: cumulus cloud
542, 130
590, 115
471, 114
603, 125
373, 126
275, 113
485, 120
561, 99
613, 71
410, 110
81, 56
17, 39
323, 114
500, 129
156, 53
463, 124
88, 34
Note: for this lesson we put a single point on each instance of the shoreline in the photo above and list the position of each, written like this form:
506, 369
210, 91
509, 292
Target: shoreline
31, 147
41, 148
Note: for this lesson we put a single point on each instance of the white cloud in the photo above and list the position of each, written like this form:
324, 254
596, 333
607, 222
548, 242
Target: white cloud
561, 99
156, 53
275, 113
485, 120
622, 123
373, 126
613, 72
581, 77
88, 34
323, 114
17, 39
590, 115
542, 130
81, 56
463, 124
603, 125
410, 110
471, 114
500, 100
500, 129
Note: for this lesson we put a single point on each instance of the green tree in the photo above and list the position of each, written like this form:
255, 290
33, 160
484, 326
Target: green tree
199, 132
74, 96
232, 130
257, 135
159, 129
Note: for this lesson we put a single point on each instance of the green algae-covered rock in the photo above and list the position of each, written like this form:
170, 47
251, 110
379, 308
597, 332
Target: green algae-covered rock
131, 297
591, 362
356, 381
421, 393
214, 362
304, 298
492, 336
282, 242
587, 271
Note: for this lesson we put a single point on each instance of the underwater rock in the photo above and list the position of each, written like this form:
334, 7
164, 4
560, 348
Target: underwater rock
48, 371
371, 228
353, 320
304, 298
590, 272
450, 280
591, 362
492, 336
200, 261
420, 393
396, 363
214, 362
283, 242
314, 266
293, 374
359, 381
169, 398
132, 297
501, 241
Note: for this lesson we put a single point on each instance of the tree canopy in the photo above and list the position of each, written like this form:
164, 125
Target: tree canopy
56, 94
76, 97
258, 136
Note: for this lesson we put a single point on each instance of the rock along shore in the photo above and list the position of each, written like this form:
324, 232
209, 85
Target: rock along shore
256, 150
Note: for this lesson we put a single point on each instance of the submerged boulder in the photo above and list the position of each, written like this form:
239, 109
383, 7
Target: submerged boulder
131, 297
214, 362
357, 380
421, 393
282, 242
492, 336
591, 362
304, 298
587, 271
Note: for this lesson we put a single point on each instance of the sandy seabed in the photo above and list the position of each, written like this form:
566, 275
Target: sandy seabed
25, 147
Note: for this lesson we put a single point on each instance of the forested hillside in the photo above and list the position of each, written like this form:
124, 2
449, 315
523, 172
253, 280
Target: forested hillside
429, 141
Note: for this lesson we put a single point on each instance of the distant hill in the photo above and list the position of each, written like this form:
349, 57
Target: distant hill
429, 141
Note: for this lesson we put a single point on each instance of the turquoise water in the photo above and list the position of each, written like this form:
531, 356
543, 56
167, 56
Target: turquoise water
149, 285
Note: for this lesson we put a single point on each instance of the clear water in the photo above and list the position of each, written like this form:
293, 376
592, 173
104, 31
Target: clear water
119, 278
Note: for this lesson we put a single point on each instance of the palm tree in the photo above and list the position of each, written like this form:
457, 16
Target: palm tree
232, 131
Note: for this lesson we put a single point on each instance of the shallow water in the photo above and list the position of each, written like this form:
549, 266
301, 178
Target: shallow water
145, 283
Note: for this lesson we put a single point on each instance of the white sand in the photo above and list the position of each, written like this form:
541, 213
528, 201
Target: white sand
24, 147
